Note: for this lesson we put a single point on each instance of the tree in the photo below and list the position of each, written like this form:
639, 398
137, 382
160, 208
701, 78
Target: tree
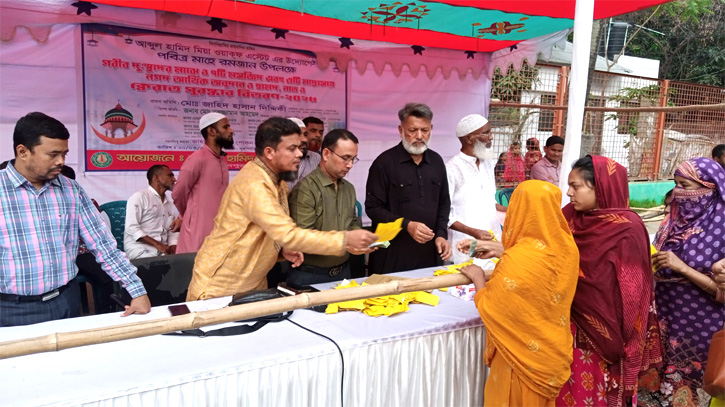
691, 46
508, 88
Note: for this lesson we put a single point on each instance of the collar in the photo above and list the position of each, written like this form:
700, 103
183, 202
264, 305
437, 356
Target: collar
213, 153
550, 164
274, 177
404, 156
468, 158
163, 198
325, 180
17, 179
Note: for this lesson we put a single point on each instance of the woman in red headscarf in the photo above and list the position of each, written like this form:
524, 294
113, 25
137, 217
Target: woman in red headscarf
515, 171
616, 335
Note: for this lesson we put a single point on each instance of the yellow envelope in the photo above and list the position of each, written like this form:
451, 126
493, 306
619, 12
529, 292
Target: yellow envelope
652, 250
387, 231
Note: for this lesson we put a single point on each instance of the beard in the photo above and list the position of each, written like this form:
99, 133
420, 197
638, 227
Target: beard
288, 176
483, 152
304, 148
415, 150
226, 144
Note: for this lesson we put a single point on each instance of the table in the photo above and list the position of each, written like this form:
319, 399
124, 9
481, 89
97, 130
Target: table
428, 356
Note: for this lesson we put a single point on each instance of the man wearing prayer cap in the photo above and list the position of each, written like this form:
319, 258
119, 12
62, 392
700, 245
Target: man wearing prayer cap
472, 185
202, 180
310, 160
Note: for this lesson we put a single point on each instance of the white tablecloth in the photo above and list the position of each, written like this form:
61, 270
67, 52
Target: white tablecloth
428, 356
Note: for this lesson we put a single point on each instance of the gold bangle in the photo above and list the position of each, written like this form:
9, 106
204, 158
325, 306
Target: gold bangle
709, 285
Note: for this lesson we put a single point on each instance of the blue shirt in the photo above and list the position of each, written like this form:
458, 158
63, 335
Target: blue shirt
40, 231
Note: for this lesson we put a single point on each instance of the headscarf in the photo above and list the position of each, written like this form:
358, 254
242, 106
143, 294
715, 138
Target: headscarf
515, 169
526, 305
695, 229
615, 293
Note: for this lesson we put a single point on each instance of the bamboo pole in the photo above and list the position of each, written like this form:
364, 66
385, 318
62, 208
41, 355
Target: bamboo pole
65, 340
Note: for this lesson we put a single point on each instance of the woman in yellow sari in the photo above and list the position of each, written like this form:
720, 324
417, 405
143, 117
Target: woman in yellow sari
525, 306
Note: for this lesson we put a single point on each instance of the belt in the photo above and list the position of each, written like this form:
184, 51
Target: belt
329, 271
33, 298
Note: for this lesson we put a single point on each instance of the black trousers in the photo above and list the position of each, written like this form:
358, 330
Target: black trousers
65, 305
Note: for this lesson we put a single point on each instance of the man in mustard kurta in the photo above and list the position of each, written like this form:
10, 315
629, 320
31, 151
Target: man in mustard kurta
253, 229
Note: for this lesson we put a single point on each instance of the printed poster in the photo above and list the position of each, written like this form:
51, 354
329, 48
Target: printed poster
145, 92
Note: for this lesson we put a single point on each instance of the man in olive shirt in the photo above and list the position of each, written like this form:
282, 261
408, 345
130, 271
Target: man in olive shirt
324, 201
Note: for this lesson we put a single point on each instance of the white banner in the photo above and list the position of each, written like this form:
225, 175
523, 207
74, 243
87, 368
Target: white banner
145, 93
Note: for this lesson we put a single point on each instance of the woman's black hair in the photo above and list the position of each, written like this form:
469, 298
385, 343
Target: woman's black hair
585, 167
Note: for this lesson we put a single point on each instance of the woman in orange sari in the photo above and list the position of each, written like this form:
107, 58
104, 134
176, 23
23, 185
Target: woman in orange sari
526, 304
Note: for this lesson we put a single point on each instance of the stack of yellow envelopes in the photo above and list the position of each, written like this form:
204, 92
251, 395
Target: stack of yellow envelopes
387, 305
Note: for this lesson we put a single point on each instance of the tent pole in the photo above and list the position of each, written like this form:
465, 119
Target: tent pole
583, 18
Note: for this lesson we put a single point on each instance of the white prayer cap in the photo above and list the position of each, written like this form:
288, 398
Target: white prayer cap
298, 122
469, 124
209, 119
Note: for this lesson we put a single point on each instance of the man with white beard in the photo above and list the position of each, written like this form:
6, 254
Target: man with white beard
472, 185
409, 181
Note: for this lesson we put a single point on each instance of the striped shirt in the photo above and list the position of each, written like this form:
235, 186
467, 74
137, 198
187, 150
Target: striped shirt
40, 231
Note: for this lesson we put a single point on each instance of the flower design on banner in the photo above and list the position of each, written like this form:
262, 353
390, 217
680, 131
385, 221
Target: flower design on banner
499, 28
395, 13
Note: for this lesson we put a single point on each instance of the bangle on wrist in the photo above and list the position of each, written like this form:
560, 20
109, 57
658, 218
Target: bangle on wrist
709, 285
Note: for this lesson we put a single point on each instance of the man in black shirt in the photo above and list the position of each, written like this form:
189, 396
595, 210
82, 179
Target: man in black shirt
409, 181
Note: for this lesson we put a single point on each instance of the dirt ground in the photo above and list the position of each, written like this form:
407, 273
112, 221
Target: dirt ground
652, 218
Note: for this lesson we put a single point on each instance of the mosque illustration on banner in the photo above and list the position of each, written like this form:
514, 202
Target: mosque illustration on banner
119, 126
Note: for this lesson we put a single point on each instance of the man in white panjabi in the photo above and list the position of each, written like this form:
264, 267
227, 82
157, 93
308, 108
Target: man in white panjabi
472, 185
152, 228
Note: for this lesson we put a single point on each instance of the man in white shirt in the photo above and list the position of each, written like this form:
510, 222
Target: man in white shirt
472, 185
151, 229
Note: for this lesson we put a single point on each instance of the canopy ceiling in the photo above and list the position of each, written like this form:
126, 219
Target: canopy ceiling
467, 25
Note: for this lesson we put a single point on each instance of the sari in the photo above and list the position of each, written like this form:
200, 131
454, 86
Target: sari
695, 232
616, 331
515, 169
526, 304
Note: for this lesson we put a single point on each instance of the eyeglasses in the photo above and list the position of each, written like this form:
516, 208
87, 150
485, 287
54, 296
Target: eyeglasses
346, 159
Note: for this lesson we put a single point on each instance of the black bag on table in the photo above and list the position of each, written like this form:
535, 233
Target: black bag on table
240, 299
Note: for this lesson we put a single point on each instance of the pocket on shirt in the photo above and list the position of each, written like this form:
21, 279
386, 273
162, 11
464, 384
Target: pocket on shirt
437, 184
63, 225
401, 191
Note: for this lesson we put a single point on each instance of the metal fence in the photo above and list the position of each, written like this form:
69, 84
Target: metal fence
623, 118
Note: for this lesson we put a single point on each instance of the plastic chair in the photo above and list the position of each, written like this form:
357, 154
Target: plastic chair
504, 195
116, 211
166, 278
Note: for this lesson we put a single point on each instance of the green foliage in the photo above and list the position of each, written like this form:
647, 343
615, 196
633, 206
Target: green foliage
692, 47
507, 88
627, 96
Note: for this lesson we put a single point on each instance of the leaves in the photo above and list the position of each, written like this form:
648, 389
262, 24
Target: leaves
687, 37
